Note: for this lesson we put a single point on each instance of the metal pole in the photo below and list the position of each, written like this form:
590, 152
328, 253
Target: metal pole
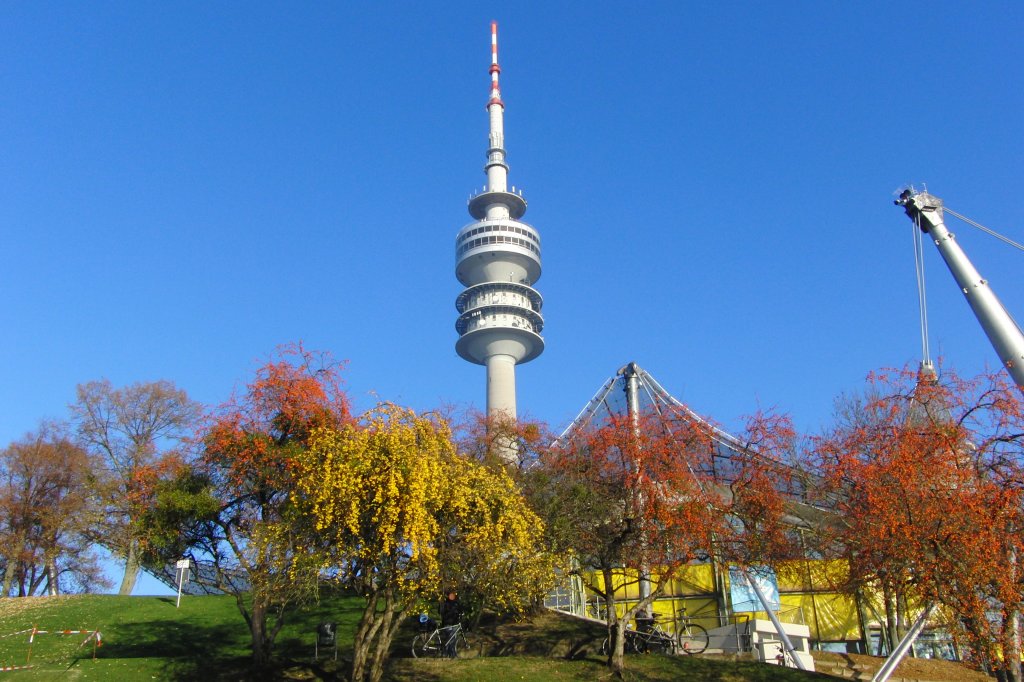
903, 647
774, 618
632, 388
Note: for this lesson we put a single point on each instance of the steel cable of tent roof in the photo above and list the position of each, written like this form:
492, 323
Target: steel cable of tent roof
671, 432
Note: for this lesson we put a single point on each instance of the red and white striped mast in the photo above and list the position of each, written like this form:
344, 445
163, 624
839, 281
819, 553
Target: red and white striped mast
497, 169
497, 259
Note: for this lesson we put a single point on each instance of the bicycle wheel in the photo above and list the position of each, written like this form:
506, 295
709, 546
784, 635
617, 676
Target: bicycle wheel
628, 647
693, 639
462, 645
639, 644
425, 645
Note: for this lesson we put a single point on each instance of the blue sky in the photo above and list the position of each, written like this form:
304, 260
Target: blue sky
183, 188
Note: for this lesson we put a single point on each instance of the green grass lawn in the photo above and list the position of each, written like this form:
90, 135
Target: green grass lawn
148, 638
206, 639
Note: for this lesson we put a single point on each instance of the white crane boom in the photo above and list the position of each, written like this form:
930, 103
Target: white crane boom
1004, 334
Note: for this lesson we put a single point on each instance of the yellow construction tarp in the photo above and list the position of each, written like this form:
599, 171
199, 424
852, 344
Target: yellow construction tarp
806, 594
691, 580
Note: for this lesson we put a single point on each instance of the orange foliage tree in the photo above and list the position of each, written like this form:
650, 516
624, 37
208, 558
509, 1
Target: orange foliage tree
924, 476
501, 441
630, 498
46, 514
250, 449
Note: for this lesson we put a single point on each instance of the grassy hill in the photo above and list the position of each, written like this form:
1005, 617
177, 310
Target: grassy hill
147, 638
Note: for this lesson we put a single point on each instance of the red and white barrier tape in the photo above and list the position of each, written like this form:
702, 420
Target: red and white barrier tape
91, 633
15, 634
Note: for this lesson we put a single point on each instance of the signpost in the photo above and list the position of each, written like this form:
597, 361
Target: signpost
183, 567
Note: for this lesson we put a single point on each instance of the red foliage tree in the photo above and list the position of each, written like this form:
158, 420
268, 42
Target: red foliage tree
642, 498
249, 450
924, 476
490, 439
46, 514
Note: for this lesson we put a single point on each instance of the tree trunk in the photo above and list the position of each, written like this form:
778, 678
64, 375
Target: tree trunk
52, 587
1011, 625
9, 571
374, 635
131, 569
1011, 645
903, 617
616, 627
258, 630
389, 625
15, 548
891, 607
368, 625
862, 622
475, 623
617, 660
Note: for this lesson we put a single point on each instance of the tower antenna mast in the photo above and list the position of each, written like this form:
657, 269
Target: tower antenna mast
497, 259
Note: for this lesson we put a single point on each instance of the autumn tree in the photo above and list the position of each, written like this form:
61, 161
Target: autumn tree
639, 497
765, 489
490, 438
399, 512
236, 502
45, 515
635, 504
131, 430
924, 477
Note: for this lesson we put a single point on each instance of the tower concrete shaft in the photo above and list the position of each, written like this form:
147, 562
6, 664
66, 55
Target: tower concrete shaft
497, 259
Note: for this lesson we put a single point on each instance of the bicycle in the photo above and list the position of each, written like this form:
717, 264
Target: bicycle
652, 638
784, 658
446, 639
691, 638
629, 647
648, 637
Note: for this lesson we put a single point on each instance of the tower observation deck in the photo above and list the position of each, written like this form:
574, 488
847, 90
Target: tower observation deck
497, 259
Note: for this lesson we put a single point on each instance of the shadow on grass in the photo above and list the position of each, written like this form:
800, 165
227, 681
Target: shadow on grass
173, 639
547, 634
189, 650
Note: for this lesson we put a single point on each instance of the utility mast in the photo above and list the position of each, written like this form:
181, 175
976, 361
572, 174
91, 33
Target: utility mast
497, 259
926, 211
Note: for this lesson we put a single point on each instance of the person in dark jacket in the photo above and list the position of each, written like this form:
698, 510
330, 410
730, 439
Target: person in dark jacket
451, 615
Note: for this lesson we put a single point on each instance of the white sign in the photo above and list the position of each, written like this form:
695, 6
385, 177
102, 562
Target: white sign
183, 566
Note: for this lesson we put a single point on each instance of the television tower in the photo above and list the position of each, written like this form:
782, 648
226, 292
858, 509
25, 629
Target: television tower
497, 259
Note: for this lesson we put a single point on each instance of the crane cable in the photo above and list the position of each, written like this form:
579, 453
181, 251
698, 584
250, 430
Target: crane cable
983, 228
922, 298
995, 234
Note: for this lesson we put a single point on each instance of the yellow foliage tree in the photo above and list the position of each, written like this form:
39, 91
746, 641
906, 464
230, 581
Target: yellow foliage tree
394, 505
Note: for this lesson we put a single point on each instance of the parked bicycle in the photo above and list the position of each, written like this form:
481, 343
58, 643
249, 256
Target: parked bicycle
783, 657
439, 641
691, 637
648, 637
